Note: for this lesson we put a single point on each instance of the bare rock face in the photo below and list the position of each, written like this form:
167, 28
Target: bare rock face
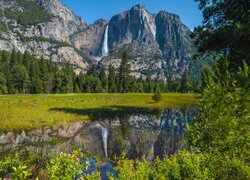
136, 24
72, 22
174, 41
90, 40
70, 53
50, 39
157, 43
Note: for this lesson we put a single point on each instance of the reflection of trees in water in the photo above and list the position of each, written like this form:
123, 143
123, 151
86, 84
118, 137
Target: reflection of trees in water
172, 134
124, 125
159, 132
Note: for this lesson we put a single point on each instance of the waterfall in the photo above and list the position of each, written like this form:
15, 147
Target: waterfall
105, 48
105, 140
104, 132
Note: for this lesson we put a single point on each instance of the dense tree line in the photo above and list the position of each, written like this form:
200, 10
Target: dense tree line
24, 73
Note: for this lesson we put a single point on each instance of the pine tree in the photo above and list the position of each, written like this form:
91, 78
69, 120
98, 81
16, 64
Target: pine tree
124, 73
76, 88
80, 79
149, 85
225, 29
37, 86
56, 83
92, 71
170, 82
20, 78
3, 87
184, 82
4, 57
19, 58
43, 70
13, 58
104, 79
111, 79
157, 96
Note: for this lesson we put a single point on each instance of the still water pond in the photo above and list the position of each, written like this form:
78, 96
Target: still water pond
110, 131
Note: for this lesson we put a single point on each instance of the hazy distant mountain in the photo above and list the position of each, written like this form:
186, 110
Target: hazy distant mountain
157, 43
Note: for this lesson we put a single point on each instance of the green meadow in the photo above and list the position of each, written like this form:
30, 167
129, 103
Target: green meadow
27, 112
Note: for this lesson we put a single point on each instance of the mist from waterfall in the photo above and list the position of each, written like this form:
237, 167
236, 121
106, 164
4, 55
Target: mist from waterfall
105, 48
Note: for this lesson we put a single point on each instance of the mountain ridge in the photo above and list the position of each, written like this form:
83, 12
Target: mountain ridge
159, 43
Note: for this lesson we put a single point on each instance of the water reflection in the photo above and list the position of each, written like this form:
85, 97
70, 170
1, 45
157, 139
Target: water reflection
111, 131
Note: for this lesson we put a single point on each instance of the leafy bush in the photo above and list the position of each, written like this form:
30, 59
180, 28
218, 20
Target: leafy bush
130, 169
184, 165
66, 166
15, 165
20, 173
222, 131
70, 166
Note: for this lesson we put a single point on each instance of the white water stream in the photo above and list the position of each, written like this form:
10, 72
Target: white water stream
105, 48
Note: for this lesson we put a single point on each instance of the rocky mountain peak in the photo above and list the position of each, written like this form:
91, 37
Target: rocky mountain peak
57, 8
157, 43
138, 7
166, 14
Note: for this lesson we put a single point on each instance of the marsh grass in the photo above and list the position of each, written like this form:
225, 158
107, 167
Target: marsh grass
27, 112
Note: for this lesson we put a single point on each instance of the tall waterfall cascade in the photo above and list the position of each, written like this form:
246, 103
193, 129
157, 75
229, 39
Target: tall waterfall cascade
104, 133
105, 48
105, 140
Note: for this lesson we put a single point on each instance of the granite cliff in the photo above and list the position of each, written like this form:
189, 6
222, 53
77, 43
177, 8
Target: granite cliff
158, 44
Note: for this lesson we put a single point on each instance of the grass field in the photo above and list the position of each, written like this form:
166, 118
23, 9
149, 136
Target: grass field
26, 112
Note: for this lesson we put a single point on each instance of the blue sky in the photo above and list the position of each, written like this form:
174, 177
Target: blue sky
91, 10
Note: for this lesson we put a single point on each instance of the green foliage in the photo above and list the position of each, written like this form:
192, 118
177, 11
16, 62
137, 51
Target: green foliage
20, 173
130, 169
225, 29
111, 79
3, 87
33, 13
184, 165
3, 27
184, 82
65, 166
104, 79
124, 72
157, 96
20, 78
23, 73
222, 131
15, 165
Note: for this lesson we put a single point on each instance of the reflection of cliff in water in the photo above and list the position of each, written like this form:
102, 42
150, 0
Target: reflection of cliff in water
139, 132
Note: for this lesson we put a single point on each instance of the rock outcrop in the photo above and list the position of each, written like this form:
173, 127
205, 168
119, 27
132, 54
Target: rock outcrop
50, 38
158, 44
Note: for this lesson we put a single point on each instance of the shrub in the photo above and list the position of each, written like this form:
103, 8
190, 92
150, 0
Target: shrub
65, 166
157, 96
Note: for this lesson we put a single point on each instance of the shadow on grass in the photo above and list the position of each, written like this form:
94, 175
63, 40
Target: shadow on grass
110, 112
